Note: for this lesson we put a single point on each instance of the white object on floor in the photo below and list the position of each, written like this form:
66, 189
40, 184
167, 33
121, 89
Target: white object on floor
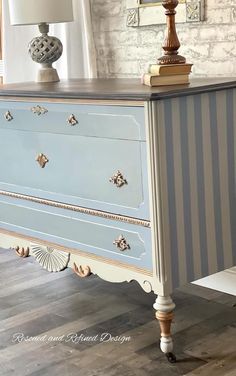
224, 281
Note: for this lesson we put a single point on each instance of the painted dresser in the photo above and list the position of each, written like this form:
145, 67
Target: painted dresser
120, 180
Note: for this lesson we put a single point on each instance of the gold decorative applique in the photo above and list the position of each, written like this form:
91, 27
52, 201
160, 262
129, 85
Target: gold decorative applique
8, 116
22, 252
121, 243
72, 120
42, 160
38, 110
82, 271
118, 179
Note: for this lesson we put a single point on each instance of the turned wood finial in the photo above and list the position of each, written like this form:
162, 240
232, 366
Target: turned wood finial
165, 320
171, 43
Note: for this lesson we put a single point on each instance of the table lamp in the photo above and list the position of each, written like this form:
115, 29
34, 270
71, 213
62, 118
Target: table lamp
171, 43
43, 49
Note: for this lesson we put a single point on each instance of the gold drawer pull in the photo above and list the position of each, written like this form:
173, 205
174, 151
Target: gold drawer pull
121, 243
8, 116
118, 179
72, 120
38, 110
42, 160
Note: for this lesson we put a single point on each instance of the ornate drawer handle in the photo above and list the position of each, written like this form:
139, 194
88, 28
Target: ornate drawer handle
42, 160
121, 243
118, 179
38, 110
72, 120
8, 116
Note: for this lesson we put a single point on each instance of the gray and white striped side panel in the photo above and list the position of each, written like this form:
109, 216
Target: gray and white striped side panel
197, 151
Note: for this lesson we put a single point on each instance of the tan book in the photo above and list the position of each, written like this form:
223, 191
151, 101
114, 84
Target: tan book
171, 69
153, 80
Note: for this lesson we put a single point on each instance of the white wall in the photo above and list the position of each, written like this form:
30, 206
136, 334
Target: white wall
126, 52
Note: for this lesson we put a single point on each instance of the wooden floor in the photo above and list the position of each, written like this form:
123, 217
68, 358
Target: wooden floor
34, 303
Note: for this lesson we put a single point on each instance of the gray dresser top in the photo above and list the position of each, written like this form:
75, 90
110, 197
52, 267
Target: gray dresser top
115, 89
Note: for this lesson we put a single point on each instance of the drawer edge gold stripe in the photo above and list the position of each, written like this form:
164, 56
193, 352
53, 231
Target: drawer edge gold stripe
80, 209
99, 102
78, 252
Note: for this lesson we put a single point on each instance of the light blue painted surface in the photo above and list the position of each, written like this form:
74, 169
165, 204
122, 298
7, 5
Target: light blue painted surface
80, 231
78, 171
96, 121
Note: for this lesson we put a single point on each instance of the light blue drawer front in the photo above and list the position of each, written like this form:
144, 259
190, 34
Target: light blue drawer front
79, 231
93, 120
78, 170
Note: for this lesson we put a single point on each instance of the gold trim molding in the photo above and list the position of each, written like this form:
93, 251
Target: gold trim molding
79, 209
99, 102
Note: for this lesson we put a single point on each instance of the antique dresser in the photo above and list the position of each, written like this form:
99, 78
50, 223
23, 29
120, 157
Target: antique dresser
120, 180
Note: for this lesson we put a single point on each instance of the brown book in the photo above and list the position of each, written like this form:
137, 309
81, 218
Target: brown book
171, 69
153, 80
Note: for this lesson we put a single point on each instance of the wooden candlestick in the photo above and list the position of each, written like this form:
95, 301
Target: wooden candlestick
171, 43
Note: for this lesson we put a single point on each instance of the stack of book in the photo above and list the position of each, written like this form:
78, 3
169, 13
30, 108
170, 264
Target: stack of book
172, 74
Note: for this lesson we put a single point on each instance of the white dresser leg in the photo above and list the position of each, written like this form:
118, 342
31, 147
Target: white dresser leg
165, 306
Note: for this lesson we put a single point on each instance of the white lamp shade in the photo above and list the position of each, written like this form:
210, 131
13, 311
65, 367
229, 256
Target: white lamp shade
31, 12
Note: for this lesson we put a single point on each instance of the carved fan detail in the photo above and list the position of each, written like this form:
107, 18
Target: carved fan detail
49, 258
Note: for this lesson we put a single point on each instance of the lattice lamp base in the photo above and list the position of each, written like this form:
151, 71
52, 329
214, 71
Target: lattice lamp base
45, 50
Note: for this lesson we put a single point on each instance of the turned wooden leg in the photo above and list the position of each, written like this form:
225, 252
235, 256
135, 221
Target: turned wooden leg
165, 306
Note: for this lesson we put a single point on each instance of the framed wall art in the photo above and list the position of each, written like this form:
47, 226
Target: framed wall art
151, 12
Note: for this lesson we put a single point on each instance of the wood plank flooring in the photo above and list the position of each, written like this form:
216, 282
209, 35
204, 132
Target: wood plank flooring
58, 307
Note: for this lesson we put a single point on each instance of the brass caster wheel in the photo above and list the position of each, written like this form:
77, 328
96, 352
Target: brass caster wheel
171, 358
